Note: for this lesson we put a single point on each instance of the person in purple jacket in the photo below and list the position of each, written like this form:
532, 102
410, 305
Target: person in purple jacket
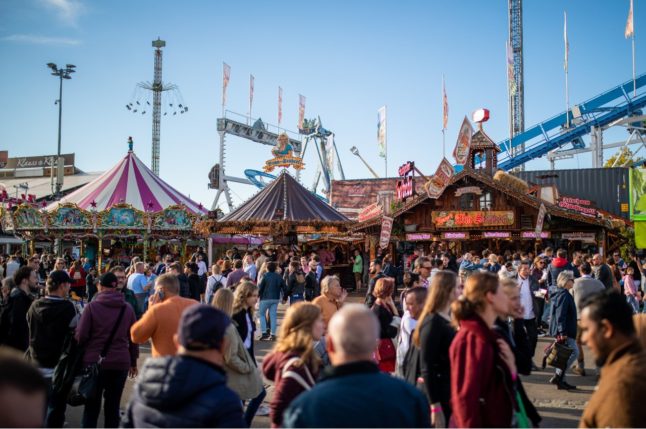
97, 321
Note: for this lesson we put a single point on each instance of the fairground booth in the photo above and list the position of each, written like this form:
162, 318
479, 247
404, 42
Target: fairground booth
482, 207
126, 211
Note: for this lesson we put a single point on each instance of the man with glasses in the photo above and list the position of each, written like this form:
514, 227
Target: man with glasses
376, 273
425, 266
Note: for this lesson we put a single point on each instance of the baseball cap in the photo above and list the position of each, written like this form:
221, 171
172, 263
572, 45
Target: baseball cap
109, 280
58, 277
202, 327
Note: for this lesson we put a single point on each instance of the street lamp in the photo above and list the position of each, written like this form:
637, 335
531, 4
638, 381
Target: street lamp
62, 73
355, 152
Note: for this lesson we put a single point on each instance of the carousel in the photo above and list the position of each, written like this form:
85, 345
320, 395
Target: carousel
126, 210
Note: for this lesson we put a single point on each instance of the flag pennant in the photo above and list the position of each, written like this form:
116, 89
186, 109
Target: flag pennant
445, 106
280, 105
511, 77
630, 29
226, 74
301, 111
567, 44
381, 131
251, 84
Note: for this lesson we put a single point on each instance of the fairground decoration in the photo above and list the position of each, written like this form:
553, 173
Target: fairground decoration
370, 212
72, 217
28, 217
283, 156
472, 219
386, 229
173, 218
468, 190
578, 205
461, 151
123, 216
542, 211
406, 185
440, 180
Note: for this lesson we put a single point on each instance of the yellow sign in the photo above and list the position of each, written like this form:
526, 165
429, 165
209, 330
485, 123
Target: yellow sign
283, 156
624, 207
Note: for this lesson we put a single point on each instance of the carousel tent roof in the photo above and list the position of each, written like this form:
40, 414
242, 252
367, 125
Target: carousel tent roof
284, 199
130, 182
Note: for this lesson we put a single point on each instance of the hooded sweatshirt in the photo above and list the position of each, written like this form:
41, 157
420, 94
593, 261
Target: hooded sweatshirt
49, 322
183, 391
286, 389
95, 326
557, 266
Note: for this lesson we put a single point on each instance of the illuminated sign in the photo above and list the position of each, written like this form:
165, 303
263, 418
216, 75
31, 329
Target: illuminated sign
372, 211
283, 156
577, 205
418, 237
455, 236
496, 234
405, 187
473, 219
532, 234
406, 169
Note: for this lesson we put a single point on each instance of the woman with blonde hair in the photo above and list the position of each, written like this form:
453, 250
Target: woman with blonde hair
293, 365
245, 298
243, 376
483, 367
433, 337
389, 322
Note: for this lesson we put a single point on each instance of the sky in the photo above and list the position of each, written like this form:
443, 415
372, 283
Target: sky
348, 58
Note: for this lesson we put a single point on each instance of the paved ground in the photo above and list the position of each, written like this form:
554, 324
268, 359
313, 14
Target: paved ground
557, 407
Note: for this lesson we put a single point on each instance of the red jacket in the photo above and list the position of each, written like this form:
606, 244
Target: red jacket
481, 384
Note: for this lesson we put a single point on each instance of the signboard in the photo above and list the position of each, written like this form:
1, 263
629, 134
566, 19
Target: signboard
440, 180
496, 234
37, 161
386, 229
418, 237
540, 219
533, 235
586, 237
638, 193
406, 185
283, 156
455, 236
461, 151
468, 190
577, 205
372, 211
472, 219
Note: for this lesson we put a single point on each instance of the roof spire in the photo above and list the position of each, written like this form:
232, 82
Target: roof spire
130, 144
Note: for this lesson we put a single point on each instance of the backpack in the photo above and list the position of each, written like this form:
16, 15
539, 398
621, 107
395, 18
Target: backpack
218, 283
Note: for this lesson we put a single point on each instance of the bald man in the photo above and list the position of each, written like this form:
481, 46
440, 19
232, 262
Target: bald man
354, 393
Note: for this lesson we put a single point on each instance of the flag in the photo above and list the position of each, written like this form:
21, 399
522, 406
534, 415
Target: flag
567, 44
251, 81
226, 74
280, 105
511, 78
301, 111
630, 29
445, 106
381, 131
463, 145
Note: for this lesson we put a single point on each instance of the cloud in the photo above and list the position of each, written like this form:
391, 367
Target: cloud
68, 11
33, 39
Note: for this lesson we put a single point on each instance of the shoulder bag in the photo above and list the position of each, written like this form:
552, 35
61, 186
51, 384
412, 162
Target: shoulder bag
86, 383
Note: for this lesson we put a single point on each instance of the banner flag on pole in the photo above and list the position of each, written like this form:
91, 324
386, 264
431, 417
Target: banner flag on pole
630, 29
251, 81
386, 230
381, 131
463, 145
226, 74
567, 44
280, 105
511, 79
445, 106
301, 111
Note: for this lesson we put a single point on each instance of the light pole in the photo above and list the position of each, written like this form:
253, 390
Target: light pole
355, 152
62, 73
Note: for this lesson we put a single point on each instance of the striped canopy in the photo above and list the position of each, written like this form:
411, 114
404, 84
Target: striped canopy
131, 182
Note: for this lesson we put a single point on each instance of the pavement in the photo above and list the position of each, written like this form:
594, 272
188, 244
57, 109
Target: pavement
558, 408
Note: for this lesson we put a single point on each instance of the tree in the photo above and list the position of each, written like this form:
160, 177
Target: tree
623, 158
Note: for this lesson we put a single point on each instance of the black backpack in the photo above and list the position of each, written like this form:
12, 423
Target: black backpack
218, 283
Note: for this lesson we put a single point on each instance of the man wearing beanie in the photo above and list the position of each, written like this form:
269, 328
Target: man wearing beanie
188, 389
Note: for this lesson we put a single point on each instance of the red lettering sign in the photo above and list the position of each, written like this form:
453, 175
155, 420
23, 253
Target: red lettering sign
474, 219
405, 188
407, 168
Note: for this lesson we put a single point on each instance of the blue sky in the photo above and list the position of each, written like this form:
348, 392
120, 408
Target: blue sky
347, 58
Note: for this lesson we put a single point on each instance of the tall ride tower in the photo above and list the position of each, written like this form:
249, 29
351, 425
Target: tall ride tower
517, 96
157, 89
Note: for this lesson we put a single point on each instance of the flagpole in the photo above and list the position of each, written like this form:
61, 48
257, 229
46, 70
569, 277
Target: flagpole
634, 80
443, 133
386, 148
567, 93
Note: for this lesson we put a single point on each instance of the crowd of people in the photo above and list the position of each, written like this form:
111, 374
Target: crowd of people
439, 340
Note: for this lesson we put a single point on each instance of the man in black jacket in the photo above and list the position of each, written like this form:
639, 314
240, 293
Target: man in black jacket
50, 320
601, 271
188, 389
375, 274
14, 331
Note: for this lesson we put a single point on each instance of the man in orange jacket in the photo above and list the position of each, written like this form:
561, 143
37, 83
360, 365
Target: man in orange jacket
160, 322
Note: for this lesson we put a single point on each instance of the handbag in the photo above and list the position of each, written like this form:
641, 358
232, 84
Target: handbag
386, 350
559, 355
522, 420
87, 382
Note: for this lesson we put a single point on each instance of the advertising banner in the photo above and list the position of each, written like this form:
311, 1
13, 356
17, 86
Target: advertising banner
386, 229
638, 194
461, 151
472, 219
440, 180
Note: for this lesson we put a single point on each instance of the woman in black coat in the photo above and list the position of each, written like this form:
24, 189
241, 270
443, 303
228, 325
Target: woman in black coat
433, 337
244, 302
389, 321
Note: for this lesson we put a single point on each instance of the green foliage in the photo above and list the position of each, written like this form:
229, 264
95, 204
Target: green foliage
622, 158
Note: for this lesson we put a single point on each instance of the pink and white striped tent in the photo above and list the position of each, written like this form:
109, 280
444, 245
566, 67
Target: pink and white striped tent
131, 182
